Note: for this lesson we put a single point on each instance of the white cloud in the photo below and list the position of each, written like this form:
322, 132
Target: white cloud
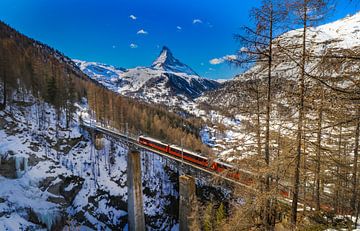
197, 21
179, 27
217, 61
142, 31
244, 49
133, 17
230, 57
133, 45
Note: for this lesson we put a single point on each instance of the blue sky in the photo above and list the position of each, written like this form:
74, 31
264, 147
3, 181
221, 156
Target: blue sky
102, 30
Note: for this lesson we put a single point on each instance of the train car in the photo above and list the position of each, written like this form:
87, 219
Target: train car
188, 155
217, 165
228, 169
220, 166
284, 191
156, 144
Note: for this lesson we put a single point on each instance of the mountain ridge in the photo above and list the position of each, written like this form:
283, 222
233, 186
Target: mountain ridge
167, 81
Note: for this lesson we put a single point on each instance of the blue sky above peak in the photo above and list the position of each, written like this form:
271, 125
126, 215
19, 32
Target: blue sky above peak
129, 33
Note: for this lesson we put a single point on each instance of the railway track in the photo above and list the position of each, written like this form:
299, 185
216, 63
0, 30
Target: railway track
133, 141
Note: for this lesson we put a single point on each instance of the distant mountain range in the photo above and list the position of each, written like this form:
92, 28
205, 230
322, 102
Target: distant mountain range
167, 81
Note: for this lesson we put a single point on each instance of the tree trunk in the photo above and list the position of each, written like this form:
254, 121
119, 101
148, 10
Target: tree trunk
268, 212
355, 166
305, 170
258, 129
318, 156
338, 172
296, 183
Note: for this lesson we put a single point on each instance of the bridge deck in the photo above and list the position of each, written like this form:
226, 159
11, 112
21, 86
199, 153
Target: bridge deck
133, 140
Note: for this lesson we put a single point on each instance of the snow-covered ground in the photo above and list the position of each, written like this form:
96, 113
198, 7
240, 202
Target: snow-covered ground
66, 180
52, 177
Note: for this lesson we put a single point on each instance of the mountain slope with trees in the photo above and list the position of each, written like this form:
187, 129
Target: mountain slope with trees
299, 106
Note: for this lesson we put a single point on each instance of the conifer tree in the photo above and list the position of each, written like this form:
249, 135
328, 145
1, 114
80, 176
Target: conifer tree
258, 48
208, 218
219, 216
51, 89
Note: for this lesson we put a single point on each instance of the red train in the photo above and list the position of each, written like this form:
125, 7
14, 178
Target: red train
216, 165
230, 171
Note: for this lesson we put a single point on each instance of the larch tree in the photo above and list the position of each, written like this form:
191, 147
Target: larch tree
304, 13
258, 48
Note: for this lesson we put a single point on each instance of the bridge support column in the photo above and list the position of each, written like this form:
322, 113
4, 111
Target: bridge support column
187, 208
136, 218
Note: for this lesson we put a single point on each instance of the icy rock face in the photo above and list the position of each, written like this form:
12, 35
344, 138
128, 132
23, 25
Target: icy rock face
49, 218
26, 164
13, 166
21, 166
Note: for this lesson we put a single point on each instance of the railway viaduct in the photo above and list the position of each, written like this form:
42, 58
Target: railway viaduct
187, 185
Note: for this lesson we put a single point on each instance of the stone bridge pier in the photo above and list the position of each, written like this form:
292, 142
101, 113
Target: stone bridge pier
136, 218
188, 219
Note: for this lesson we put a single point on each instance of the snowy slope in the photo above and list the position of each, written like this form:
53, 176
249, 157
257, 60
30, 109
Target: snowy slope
343, 33
103, 73
339, 37
342, 36
52, 177
167, 81
57, 177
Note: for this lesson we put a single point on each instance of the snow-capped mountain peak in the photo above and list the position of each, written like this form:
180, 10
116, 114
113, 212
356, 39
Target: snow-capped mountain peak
167, 81
167, 62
